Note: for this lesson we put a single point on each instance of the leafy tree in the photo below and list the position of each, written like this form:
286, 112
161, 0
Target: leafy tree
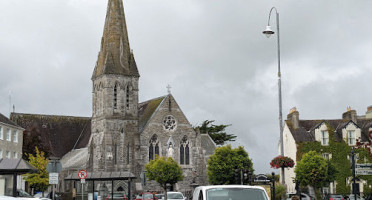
39, 181
280, 191
217, 132
315, 171
224, 161
164, 170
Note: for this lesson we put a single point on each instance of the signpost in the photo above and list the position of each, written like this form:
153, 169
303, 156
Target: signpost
82, 175
53, 178
363, 169
53, 167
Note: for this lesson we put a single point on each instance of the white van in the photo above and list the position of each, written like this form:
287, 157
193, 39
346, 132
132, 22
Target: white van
230, 192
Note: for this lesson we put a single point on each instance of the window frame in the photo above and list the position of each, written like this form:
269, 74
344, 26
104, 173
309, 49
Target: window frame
15, 136
7, 154
351, 138
324, 134
1, 133
8, 135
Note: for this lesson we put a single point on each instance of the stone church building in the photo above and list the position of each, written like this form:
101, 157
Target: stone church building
122, 135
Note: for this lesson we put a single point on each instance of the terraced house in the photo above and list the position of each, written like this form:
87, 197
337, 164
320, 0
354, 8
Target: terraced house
11, 139
122, 135
333, 139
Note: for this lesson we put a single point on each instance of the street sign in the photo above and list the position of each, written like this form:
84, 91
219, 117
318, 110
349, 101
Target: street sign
54, 166
364, 166
363, 169
82, 181
53, 178
261, 178
82, 174
359, 171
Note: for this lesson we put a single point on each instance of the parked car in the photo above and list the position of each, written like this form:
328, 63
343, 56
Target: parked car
352, 197
117, 196
175, 196
139, 197
149, 196
47, 196
231, 192
303, 196
333, 197
7, 198
21, 194
159, 196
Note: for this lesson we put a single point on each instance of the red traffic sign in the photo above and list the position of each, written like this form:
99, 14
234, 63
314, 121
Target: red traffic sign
82, 174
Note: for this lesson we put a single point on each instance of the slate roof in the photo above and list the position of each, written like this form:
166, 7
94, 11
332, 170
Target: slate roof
15, 165
147, 109
207, 144
60, 134
306, 130
5, 120
75, 159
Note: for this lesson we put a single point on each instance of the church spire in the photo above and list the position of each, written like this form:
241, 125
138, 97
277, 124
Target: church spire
115, 56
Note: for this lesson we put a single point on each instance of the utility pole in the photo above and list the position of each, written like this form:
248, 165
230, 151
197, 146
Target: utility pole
353, 170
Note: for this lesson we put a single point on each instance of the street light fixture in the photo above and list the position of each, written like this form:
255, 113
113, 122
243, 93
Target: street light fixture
268, 32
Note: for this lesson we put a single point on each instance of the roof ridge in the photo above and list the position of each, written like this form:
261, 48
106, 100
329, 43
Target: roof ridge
153, 99
46, 115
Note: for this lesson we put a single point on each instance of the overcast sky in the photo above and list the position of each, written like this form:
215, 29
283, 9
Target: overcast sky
212, 52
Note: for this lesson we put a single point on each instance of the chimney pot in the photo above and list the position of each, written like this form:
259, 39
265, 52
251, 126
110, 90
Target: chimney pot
294, 117
350, 115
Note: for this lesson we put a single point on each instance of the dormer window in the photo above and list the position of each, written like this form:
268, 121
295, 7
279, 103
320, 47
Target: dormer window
325, 138
351, 140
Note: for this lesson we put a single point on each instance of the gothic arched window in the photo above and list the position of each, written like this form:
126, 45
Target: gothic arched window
116, 154
115, 96
153, 147
184, 151
127, 96
128, 153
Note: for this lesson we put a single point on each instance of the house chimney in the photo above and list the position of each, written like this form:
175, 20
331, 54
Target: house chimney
294, 117
369, 112
350, 115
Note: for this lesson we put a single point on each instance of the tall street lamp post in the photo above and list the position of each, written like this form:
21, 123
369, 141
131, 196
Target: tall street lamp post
268, 32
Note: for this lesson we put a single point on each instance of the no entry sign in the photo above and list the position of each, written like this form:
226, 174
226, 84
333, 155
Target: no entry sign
82, 174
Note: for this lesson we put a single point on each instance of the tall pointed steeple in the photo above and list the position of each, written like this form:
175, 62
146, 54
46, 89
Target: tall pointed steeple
115, 56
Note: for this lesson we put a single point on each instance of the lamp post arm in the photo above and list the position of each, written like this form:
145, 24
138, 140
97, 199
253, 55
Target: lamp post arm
276, 11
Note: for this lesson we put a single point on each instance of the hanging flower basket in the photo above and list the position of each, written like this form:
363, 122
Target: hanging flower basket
281, 162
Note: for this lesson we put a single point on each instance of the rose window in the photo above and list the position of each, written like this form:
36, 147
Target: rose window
169, 123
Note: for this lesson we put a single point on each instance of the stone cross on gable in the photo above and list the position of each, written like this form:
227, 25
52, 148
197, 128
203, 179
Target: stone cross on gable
169, 88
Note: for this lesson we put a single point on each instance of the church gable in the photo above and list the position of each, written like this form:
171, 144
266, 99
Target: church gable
168, 133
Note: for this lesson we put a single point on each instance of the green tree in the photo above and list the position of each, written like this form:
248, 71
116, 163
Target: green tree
216, 132
315, 171
280, 191
224, 161
39, 181
164, 171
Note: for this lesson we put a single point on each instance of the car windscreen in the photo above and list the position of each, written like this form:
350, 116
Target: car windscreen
22, 193
175, 196
235, 194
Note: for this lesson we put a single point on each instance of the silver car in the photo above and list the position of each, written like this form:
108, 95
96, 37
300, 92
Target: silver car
230, 192
175, 196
